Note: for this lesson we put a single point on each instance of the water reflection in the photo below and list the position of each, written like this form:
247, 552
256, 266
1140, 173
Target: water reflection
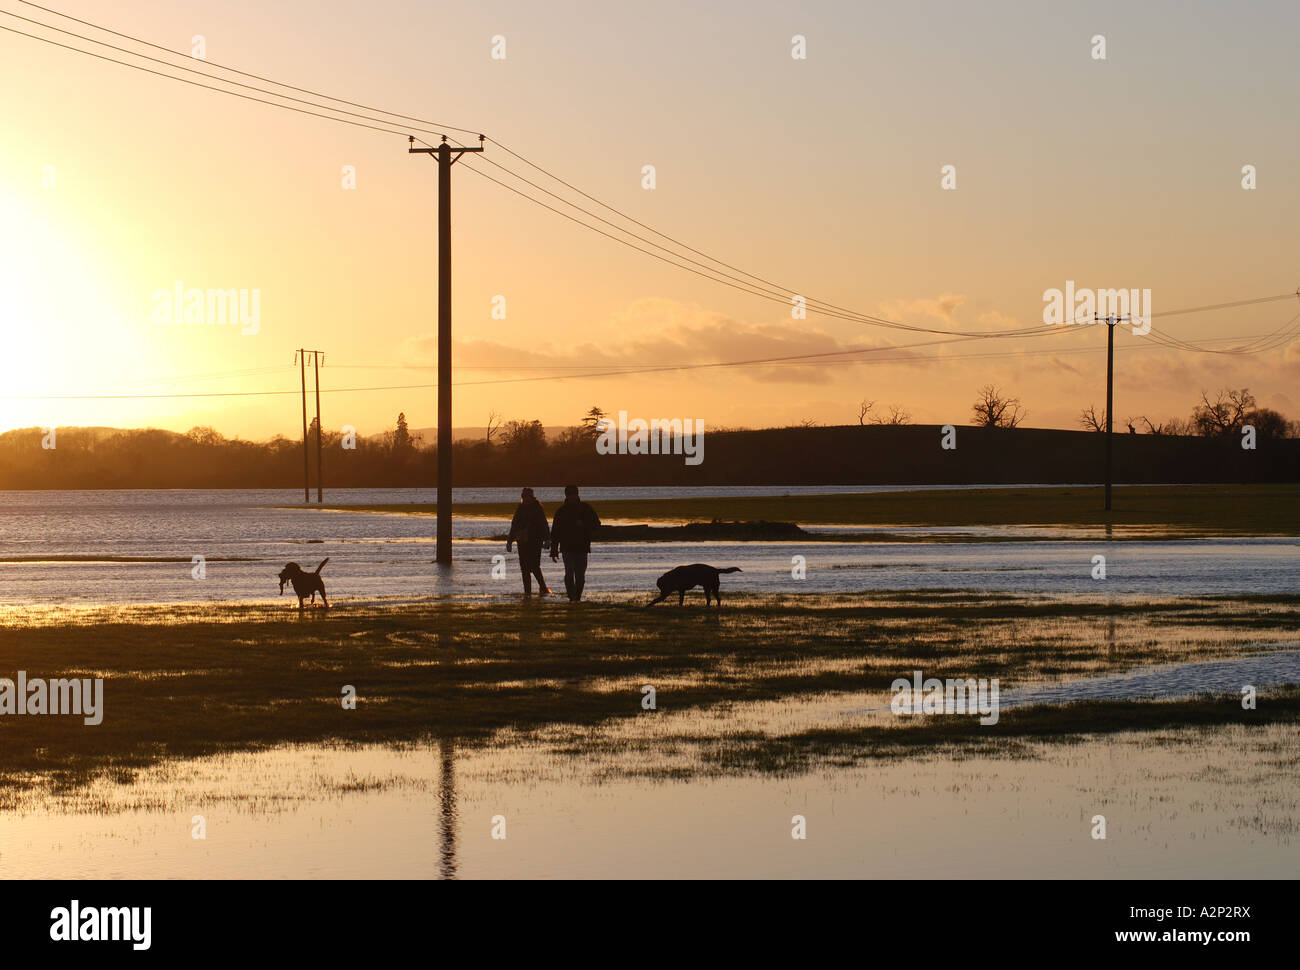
1207, 803
447, 806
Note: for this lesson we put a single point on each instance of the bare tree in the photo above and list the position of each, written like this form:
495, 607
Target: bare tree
493, 425
807, 423
897, 415
864, 409
1225, 415
1090, 420
992, 409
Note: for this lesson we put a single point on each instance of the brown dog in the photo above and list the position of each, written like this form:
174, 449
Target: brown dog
304, 583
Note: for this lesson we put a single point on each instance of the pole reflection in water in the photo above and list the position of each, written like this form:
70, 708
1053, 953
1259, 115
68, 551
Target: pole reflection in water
447, 806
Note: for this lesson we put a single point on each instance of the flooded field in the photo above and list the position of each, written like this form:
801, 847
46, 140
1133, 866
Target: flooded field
225, 749
1212, 803
477, 717
74, 548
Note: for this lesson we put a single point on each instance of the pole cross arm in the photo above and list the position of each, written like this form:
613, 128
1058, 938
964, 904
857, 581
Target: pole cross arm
462, 151
457, 150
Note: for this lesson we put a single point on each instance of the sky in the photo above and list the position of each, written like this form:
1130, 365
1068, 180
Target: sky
821, 175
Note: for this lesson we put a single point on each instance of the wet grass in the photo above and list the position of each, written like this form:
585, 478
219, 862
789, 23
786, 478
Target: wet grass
1016, 729
194, 679
1181, 511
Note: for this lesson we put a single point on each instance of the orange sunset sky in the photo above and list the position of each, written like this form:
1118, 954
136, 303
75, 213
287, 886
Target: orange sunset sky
820, 174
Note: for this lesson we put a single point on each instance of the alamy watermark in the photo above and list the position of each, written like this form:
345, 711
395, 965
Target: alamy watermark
77, 695
952, 696
1083, 306
211, 307
77, 923
657, 436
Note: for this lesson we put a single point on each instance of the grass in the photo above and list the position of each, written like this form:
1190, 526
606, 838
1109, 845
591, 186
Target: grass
196, 680
1066, 723
1182, 510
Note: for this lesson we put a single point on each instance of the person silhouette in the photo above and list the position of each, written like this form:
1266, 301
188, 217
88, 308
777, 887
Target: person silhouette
571, 531
528, 528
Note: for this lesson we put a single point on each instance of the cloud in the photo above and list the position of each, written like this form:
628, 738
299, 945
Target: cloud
656, 333
1281, 402
942, 307
932, 382
1061, 365
996, 320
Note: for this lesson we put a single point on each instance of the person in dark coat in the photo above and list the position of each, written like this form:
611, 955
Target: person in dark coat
575, 523
528, 529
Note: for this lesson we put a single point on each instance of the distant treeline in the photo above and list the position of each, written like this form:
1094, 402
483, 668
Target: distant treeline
846, 455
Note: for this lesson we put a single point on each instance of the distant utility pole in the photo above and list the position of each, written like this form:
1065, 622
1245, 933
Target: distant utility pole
300, 357
447, 157
1110, 389
317, 359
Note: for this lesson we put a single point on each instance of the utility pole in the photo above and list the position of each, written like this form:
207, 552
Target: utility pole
300, 357
1110, 389
446, 156
317, 358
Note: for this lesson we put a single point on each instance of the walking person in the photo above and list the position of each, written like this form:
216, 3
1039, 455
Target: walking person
575, 523
528, 529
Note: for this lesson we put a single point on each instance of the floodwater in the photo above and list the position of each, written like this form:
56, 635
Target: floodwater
635, 797
85, 548
1212, 803
1274, 667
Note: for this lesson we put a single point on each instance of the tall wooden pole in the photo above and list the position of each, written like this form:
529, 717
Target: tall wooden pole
444, 355
320, 466
306, 473
446, 156
1110, 400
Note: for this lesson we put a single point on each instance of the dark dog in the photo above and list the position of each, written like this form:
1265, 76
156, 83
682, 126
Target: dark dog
682, 578
304, 583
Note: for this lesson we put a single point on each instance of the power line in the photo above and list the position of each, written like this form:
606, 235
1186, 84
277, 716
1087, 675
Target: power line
629, 218
1275, 338
850, 316
780, 292
815, 305
801, 359
768, 291
755, 289
194, 70
1031, 331
233, 70
662, 235
183, 80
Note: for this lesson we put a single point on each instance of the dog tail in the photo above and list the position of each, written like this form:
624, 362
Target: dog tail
322, 565
730, 569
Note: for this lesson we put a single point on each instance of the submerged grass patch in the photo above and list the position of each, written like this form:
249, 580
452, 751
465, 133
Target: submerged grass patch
201, 680
1064, 723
